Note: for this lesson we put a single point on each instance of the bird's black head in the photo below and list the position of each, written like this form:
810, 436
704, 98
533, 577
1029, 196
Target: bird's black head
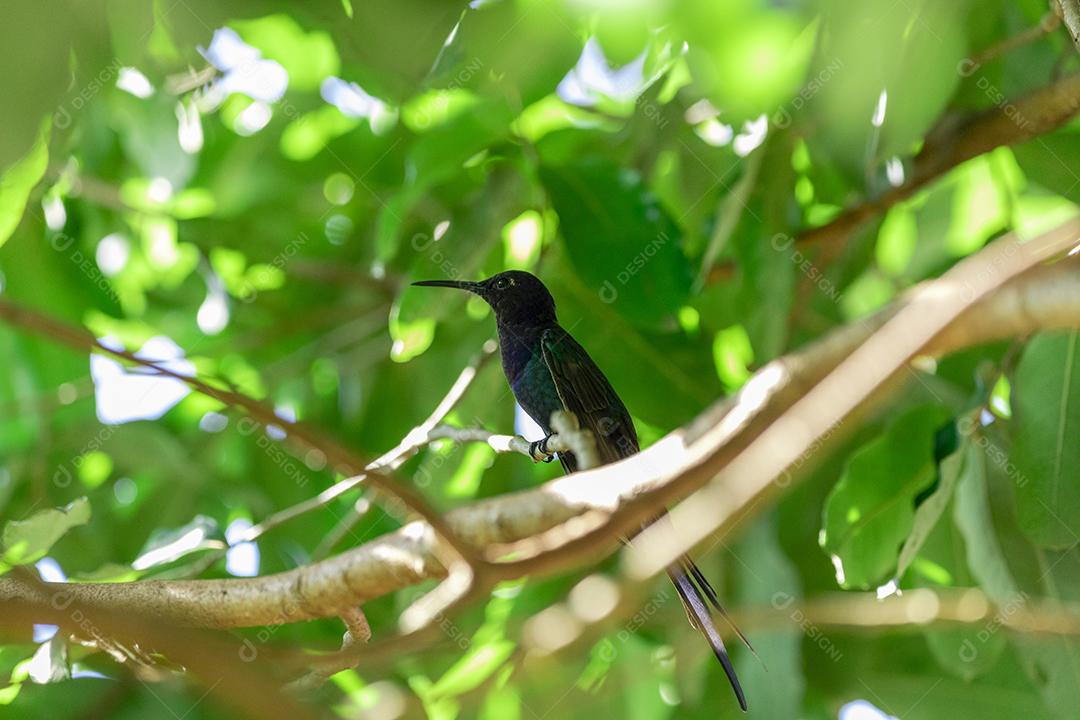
517, 297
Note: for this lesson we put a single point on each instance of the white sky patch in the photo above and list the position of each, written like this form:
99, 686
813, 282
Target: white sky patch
878, 118
244, 70
43, 632
163, 252
700, 111
752, 135
55, 213
112, 254
862, 710
838, 566
252, 119
353, 101
227, 51
523, 234
441, 229
125, 491
213, 422
888, 589
213, 315
525, 426
78, 670
242, 559
130, 80
189, 132
123, 395
159, 190
894, 171
40, 667
50, 571
714, 132
593, 77
285, 412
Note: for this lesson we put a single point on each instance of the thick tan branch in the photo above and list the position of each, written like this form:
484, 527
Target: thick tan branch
1047, 297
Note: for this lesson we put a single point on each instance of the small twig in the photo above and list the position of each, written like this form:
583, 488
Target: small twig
498, 443
1047, 24
357, 632
181, 83
345, 526
569, 437
436, 603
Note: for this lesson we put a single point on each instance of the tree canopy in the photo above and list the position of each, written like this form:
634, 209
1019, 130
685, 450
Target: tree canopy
824, 250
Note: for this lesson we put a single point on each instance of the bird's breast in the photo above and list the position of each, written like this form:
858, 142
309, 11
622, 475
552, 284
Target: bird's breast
536, 393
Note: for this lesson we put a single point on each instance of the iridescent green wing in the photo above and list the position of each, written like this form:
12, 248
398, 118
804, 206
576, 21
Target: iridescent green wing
585, 391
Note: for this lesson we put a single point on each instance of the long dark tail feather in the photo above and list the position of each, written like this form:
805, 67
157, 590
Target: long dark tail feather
703, 583
696, 601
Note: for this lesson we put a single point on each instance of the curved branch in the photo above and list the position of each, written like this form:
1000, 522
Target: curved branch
950, 143
955, 141
613, 496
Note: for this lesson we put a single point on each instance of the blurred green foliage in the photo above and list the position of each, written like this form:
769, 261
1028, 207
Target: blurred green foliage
261, 196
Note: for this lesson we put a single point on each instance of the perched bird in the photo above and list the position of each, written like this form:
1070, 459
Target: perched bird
548, 370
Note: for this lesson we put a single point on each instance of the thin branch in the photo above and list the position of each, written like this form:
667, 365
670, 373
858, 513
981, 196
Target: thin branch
416, 439
1047, 24
336, 455
844, 613
569, 437
914, 609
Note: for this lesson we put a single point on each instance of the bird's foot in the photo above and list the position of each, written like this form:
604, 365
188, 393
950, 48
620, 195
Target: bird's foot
539, 451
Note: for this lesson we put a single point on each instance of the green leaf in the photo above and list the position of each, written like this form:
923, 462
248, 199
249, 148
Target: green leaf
25, 541
870, 511
766, 576
1045, 428
19, 179
305, 136
931, 509
621, 241
1049, 161
435, 158
971, 513
896, 240
966, 651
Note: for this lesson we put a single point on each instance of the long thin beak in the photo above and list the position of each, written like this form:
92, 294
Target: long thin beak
473, 287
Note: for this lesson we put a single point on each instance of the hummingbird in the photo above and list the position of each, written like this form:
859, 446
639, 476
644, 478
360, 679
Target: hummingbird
548, 370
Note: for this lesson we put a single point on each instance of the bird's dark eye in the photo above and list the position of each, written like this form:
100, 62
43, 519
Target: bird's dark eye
502, 284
